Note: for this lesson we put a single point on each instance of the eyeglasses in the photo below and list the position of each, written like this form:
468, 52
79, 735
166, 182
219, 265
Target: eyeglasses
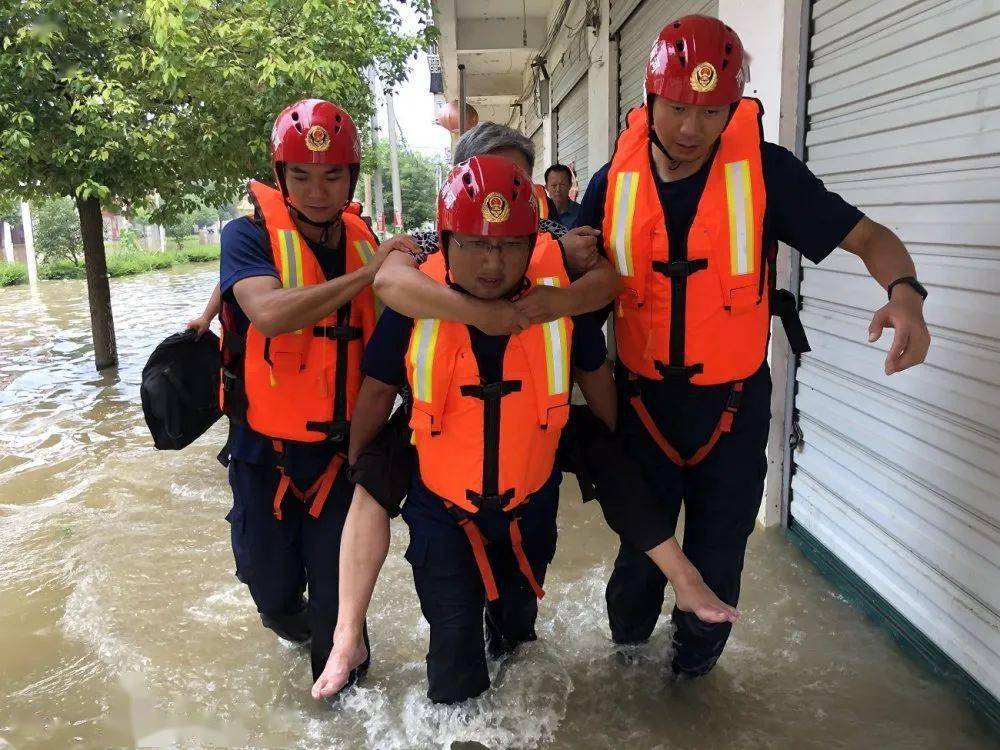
481, 247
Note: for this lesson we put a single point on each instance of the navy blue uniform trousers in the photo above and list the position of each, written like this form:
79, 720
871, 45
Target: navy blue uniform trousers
721, 497
280, 560
452, 595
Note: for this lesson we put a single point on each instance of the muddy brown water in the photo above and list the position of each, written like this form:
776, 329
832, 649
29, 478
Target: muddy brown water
122, 624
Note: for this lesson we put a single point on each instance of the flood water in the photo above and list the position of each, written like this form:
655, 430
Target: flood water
122, 624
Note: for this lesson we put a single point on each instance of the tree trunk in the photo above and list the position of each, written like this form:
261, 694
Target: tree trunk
102, 325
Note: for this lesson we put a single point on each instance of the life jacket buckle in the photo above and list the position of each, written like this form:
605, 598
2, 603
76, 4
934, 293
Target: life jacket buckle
491, 391
491, 501
229, 380
338, 333
674, 371
680, 268
335, 431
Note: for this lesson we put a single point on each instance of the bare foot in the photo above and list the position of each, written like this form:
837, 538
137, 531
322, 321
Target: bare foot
348, 654
693, 595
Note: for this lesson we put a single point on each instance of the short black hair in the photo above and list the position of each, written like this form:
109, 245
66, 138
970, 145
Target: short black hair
559, 168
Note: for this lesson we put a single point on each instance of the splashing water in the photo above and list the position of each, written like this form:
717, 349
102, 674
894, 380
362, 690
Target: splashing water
122, 624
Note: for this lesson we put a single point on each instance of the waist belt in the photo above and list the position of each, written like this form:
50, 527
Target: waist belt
478, 543
724, 425
317, 493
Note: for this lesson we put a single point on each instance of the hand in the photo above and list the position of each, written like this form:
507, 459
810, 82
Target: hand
911, 339
580, 246
401, 242
500, 318
199, 325
542, 304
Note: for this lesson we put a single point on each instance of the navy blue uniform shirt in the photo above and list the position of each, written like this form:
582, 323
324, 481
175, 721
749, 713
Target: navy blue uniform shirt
571, 215
245, 253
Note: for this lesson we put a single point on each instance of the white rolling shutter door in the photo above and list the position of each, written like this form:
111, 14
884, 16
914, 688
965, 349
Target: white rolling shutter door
640, 24
898, 477
571, 132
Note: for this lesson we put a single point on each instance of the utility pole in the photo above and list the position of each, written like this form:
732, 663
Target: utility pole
29, 244
366, 207
379, 208
397, 198
8, 244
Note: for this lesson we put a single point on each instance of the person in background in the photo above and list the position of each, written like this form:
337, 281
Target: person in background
558, 181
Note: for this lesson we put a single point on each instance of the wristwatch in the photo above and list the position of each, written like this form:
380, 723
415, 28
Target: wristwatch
909, 281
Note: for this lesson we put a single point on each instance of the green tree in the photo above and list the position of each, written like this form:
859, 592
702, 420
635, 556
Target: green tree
418, 185
110, 102
57, 231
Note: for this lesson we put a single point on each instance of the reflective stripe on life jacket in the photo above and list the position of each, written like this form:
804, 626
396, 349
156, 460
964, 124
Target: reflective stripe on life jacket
301, 386
700, 311
490, 444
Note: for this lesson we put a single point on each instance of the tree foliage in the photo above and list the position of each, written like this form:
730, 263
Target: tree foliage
122, 99
57, 231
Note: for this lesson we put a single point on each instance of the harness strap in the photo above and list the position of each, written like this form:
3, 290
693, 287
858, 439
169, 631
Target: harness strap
317, 493
724, 425
482, 561
522, 559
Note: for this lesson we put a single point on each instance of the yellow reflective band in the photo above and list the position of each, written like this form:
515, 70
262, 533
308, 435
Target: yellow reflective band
626, 189
421, 355
290, 257
366, 252
739, 196
290, 262
556, 349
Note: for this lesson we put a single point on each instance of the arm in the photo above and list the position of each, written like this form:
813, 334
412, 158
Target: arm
371, 411
595, 289
886, 259
212, 307
274, 310
598, 387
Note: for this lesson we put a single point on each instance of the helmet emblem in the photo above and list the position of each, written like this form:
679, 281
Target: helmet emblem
317, 139
704, 78
495, 208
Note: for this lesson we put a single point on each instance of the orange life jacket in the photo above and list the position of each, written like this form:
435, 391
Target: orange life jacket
490, 444
542, 198
705, 313
300, 386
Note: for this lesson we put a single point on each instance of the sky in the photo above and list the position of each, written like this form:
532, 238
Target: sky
414, 104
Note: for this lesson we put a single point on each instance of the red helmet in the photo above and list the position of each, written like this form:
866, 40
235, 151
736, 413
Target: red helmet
314, 131
488, 196
696, 60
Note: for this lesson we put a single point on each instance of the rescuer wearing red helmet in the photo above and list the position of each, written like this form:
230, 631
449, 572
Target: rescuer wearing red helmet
487, 413
297, 311
691, 208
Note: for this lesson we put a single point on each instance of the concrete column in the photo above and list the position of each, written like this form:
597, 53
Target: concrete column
29, 243
599, 82
8, 244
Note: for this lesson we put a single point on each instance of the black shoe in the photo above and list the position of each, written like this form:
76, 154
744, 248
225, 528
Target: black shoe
291, 627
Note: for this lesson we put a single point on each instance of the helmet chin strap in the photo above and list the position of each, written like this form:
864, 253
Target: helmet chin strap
326, 226
672, 163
